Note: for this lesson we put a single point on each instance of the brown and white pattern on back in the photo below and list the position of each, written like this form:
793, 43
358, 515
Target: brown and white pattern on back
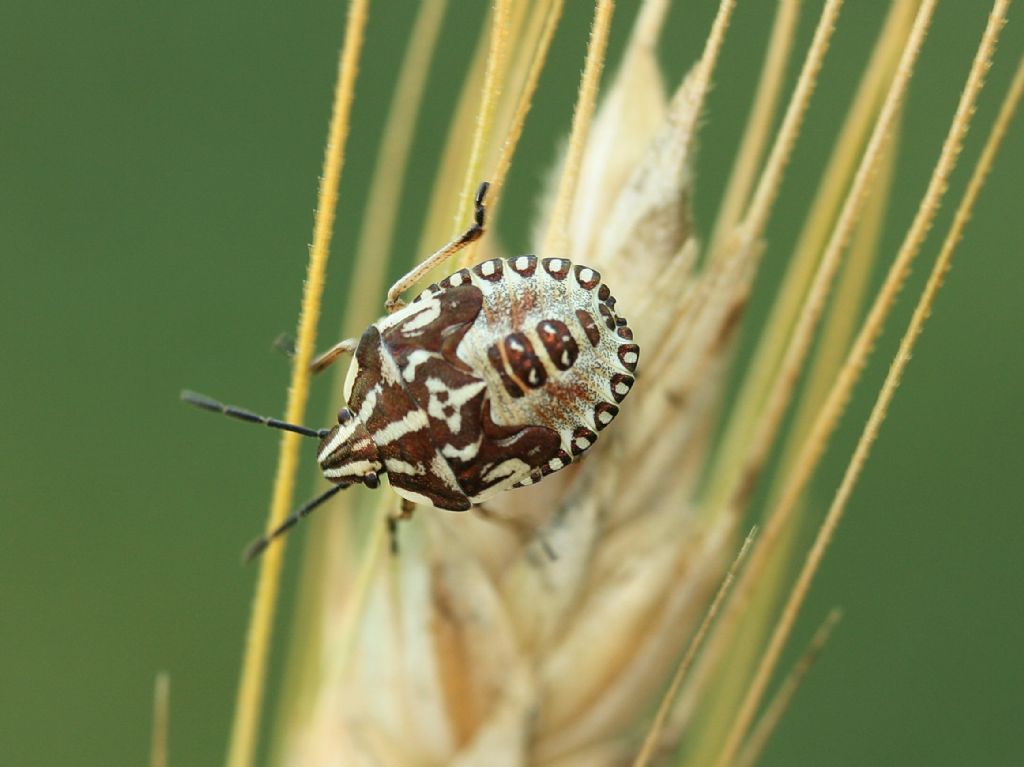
493, 378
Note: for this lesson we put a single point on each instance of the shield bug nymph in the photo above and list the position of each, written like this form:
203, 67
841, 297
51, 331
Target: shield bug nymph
493, 378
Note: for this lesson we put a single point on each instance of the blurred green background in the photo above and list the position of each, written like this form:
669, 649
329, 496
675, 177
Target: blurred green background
159, 166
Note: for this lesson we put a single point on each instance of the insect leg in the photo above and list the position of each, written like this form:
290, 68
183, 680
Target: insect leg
472, 234
323, 361
523, 531
406, 509
285, 344
402, 514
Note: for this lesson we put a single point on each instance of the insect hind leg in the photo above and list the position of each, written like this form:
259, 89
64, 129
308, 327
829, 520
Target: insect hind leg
525, 532
402, 514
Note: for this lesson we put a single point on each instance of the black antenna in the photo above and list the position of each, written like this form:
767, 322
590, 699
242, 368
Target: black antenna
258, 546
214, 406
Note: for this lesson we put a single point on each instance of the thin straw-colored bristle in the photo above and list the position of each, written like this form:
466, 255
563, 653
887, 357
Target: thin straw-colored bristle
485, 116
454, 160
534, 44
762, 113
377, 229
700, 84
828, 416
553, 15
760, 206
778, 396
730, 477
650, 743
756, 215
795, 600
824, 207
921, 313
328, 554
555, 243
248, 707
481, 133
161, 720
844, 311
713, 46
601, 617
779, 704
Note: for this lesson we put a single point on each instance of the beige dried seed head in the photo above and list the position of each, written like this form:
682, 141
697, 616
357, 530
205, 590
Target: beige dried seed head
475, 646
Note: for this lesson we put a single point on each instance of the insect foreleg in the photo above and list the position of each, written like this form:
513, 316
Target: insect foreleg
394, 301
325, 360
285, 344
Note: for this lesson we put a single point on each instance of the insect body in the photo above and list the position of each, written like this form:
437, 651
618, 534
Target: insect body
491, 379
495, 377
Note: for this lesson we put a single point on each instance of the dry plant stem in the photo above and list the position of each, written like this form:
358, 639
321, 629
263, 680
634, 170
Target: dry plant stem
755, 136
378, 226
555, 239
161, 720
777, 706
781, 389
783, 628
757, 214
249, 702
828, 416
488, 103
661, 717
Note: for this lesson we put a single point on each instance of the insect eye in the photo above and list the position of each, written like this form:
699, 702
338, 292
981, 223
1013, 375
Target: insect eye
372, 481
344, 416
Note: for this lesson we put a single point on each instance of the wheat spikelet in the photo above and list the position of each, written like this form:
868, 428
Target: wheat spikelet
476, 646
